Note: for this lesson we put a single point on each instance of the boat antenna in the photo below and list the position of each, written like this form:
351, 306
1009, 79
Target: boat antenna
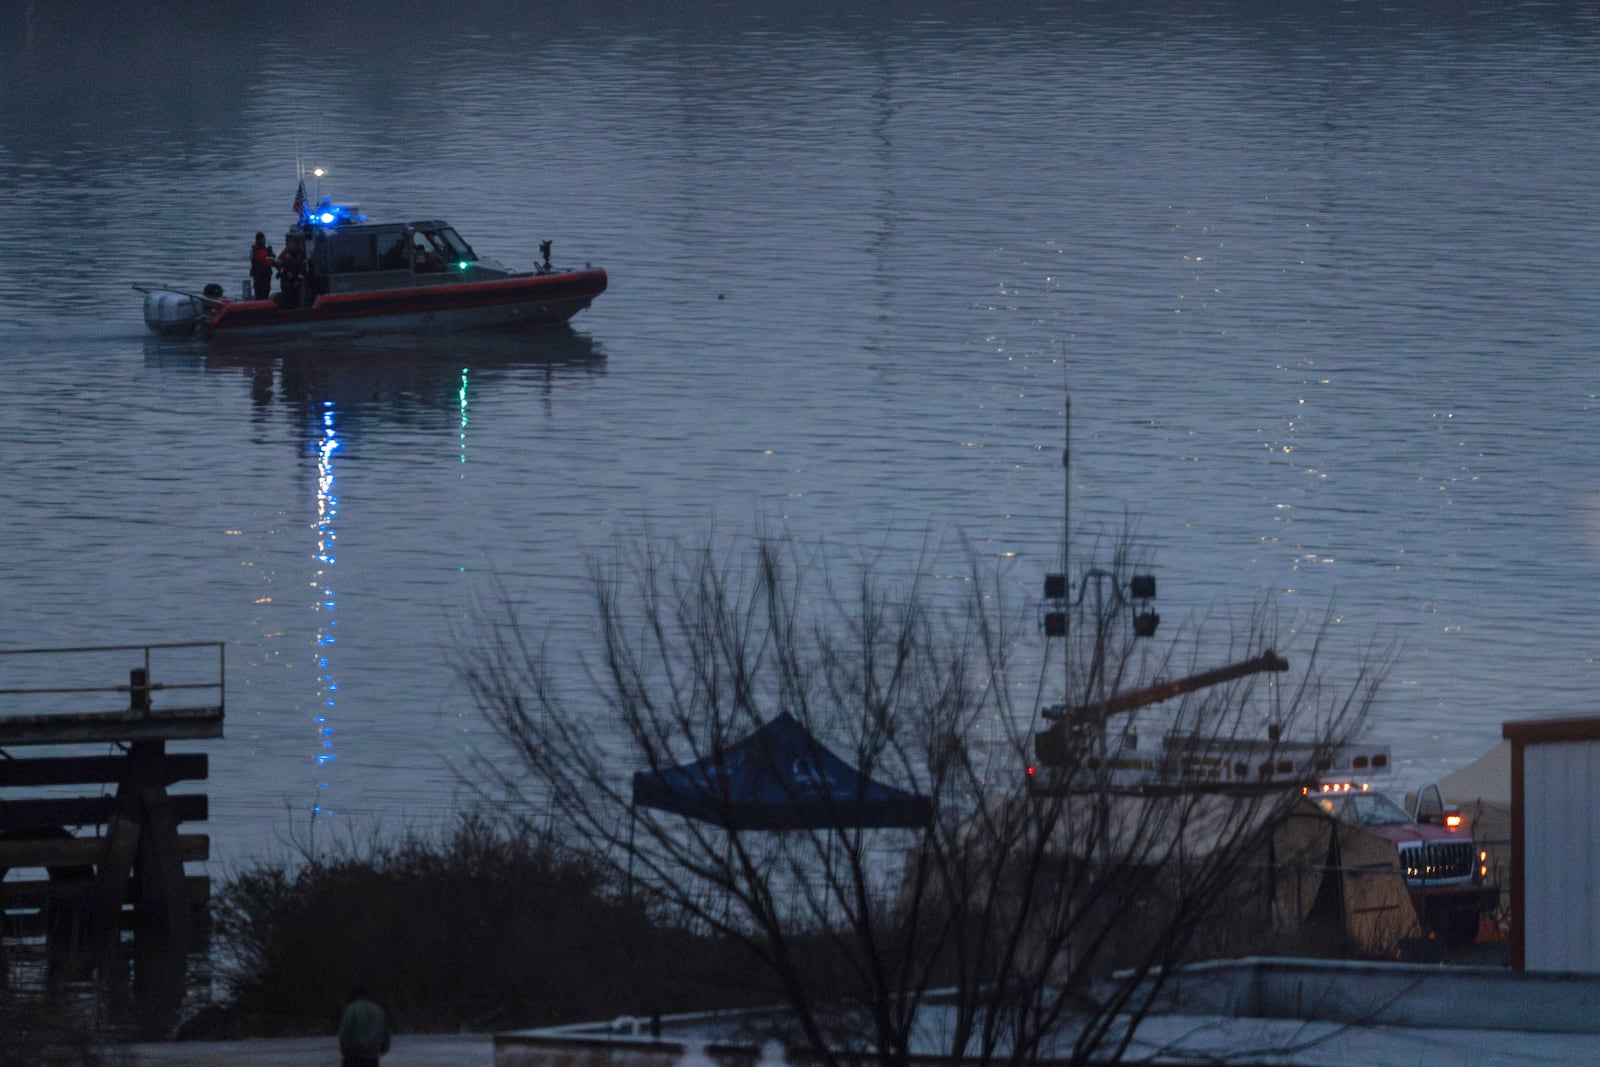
1066, 551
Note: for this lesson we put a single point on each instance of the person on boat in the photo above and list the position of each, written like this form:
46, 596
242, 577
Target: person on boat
261, 263
292, 272
425, 254
397, 256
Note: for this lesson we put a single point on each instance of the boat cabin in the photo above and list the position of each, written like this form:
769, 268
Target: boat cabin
355, 258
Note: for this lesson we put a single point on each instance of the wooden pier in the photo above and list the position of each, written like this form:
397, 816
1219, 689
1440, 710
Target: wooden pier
90, 841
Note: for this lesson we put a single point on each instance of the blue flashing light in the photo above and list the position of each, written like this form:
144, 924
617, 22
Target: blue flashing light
327, 213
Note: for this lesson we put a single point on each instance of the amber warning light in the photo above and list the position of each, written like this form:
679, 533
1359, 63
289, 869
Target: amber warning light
1336, 787
1453, 820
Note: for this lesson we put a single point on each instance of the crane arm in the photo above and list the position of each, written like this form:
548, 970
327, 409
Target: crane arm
1051, 744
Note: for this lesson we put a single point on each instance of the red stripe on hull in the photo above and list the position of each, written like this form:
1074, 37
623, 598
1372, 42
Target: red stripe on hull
551, 292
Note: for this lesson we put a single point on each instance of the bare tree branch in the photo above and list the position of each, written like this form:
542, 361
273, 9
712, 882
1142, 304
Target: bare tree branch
1015, 907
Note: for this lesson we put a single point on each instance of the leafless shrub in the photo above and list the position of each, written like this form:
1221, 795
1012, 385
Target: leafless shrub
1011, 910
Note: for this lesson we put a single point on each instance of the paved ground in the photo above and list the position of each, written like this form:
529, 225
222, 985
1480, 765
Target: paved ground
409, 1050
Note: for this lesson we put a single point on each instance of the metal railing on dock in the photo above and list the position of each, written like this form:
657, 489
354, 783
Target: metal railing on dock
64, 695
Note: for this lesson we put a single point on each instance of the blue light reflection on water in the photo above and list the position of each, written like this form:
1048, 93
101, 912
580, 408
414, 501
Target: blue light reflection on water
462, 400
326, 535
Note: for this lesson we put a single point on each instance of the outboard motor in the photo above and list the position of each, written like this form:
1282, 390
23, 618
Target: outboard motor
171, 314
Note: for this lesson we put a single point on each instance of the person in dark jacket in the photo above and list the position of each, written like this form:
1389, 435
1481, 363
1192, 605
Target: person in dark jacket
363, 1029
261, 263
292, 272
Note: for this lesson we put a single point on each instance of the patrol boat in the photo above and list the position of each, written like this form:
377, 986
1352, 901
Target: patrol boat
355, 277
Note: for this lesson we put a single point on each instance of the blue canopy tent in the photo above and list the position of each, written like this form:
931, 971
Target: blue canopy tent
779, 778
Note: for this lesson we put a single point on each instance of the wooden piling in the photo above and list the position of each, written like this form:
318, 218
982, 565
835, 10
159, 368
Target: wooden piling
111, 860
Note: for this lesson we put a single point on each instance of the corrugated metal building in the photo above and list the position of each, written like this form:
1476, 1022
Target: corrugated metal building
1555, 844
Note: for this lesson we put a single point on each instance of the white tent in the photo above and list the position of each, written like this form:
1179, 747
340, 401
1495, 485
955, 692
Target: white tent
1481, 791
1486, 778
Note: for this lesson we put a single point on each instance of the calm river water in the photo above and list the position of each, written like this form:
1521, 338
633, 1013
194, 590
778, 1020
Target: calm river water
1320, 285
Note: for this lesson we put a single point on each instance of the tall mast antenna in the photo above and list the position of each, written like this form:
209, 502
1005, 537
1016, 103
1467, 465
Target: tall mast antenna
1066, 495
1066, 549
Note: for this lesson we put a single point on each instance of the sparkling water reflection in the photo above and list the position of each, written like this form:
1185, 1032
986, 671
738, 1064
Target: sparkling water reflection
322, 579
1318, 283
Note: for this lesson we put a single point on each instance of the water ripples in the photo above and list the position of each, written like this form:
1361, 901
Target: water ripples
1319, 295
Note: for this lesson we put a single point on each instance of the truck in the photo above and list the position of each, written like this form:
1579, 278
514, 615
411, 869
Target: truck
1447, 873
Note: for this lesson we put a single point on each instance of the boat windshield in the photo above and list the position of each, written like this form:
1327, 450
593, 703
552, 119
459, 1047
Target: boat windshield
1364, 809
448, 245
459, 248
